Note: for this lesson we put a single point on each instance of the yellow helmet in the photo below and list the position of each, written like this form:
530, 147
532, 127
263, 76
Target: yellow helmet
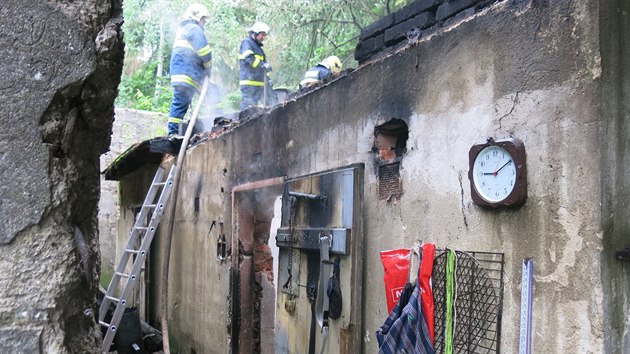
196, 12
333, 64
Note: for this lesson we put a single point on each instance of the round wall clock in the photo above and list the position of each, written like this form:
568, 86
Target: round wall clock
498, 173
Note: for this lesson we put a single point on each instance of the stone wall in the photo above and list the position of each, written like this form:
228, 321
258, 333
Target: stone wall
61, 63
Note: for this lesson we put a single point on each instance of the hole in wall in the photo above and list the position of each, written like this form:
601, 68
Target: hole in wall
390, 144
390, 140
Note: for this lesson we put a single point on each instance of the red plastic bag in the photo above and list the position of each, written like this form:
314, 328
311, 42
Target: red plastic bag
396, 265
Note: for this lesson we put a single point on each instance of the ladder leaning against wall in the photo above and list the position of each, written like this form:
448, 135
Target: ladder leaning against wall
141, 234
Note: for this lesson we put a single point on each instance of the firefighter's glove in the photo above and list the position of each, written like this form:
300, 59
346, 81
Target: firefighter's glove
267, 67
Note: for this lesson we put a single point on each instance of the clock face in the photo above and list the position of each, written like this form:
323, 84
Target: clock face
494, 173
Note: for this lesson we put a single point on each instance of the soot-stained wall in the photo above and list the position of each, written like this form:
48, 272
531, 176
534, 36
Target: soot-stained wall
61, 64
525, 69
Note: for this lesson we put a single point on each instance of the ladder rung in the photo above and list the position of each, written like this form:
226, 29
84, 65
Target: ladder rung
150, 205
114, 299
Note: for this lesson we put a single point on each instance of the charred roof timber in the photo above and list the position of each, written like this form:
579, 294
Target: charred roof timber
411, 21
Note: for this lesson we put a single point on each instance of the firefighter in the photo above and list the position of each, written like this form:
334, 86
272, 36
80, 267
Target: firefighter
328, 67
253, 68
191, 60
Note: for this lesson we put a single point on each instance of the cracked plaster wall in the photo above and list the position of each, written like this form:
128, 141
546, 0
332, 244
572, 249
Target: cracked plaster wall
61, 63
531, 69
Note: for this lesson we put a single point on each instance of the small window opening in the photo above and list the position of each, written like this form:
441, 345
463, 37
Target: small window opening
390, 140
390, 143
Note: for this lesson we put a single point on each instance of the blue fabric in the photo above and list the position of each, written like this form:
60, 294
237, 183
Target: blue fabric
186, 61
318, 72
405, 331
251, 95
182, 97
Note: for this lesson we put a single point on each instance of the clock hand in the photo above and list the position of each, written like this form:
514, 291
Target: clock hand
497, 171
505, 164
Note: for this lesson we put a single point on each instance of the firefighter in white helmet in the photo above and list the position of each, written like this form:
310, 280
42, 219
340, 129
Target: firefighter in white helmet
327, 68
191, 60
253, 67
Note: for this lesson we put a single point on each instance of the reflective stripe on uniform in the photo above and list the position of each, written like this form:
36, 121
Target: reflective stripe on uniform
182, 43
308, 82
207, 64
174, 120
256, 62
251, 83
185, 79
245, 54
204, 51
310, 77
311, 74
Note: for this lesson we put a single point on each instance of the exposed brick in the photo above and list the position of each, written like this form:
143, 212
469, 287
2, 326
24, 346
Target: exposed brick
377, 27
379, 42
263, 260
364, 49
369, 47
415, 8
398, 32
452, 7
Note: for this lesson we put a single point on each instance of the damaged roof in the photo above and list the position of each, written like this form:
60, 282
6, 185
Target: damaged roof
145, 152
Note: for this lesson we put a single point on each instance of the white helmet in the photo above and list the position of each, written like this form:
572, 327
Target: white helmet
333, 64
259, 27
196, 12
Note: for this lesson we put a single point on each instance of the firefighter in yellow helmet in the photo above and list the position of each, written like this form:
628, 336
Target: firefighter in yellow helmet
191, 60
329, 67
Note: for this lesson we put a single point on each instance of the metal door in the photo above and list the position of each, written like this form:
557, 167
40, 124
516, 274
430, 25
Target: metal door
321, 213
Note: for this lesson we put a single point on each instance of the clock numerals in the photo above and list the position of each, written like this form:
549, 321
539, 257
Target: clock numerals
494, 173
495, 169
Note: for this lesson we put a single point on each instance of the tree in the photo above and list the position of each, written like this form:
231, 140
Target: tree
303, 32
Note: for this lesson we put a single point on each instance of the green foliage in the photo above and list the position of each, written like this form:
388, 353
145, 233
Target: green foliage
231, 101
143, 90
303, 32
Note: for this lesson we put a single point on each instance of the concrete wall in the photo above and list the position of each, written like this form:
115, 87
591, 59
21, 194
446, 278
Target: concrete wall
61, 63
614, 157
528, 69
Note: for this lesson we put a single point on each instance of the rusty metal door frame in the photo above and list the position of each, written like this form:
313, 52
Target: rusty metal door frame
237, 192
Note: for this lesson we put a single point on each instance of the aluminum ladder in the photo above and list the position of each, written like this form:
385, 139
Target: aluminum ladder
140, 234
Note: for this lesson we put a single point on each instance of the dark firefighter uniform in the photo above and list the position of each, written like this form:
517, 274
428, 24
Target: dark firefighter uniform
190, 61
251, 72
314, 76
